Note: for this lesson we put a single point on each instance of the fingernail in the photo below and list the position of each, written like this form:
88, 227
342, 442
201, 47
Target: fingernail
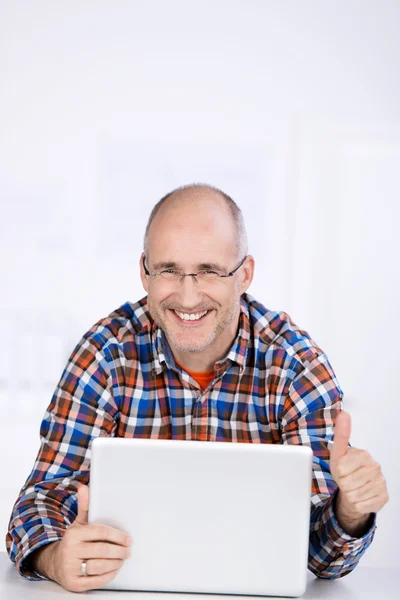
129, 540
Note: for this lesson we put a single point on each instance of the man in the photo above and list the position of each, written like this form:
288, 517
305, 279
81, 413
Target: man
198, 358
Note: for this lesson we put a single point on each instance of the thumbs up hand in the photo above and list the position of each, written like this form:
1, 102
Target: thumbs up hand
362, 486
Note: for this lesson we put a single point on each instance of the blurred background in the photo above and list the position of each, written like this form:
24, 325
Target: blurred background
291, 107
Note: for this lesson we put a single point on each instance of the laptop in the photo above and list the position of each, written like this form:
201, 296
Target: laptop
205, 517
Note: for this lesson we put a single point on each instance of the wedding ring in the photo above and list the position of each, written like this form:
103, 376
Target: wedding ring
84, 568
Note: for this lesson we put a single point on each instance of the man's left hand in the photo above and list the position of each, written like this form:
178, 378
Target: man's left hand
362, 486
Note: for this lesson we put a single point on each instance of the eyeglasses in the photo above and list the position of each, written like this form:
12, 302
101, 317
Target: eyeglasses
201, 277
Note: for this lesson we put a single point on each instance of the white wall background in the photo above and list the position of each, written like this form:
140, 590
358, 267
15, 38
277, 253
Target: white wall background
292, 107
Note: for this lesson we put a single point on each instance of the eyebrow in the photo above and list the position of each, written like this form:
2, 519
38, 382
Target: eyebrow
174, 265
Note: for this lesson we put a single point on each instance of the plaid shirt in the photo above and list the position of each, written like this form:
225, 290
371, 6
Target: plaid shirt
274, 386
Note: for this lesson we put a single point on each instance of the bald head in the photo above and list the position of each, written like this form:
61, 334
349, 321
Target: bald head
197, 199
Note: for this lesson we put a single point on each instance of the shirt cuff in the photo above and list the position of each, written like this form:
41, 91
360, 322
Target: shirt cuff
339, 537
22, 561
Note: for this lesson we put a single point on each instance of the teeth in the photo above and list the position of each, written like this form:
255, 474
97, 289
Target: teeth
192, 317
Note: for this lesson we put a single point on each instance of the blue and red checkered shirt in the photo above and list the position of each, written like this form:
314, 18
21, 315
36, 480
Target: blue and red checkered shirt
274, 386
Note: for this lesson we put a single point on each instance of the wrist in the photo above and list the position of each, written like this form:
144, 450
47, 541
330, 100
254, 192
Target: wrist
352, 523
43, 562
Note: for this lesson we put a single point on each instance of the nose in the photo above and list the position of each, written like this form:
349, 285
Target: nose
188, 292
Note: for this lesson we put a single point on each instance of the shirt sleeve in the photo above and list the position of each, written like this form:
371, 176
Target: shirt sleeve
82, 408
311, 406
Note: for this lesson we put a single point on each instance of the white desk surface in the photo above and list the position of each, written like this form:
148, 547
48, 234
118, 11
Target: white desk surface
362, 583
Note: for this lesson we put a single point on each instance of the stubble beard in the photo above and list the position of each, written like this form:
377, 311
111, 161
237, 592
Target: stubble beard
193, 343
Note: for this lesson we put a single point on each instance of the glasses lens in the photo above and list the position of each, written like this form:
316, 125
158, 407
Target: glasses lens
170, 275
207, 276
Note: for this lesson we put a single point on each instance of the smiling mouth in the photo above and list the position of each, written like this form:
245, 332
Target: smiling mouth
190, 318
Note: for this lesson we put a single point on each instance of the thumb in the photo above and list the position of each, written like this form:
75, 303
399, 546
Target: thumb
83, 504
341, 436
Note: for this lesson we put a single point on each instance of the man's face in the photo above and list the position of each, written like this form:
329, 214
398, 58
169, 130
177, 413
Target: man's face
190, 236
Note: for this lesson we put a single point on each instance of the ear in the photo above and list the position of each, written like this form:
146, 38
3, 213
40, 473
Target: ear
247, 274
143, 275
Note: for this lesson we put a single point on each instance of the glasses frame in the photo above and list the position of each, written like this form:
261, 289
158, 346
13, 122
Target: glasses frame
194, 275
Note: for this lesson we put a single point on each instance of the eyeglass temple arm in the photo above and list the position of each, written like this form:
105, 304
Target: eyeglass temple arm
234, 270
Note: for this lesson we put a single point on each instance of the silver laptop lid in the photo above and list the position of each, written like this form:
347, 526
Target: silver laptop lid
212, 517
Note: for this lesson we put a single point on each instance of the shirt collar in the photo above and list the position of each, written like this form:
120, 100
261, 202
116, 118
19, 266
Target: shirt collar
163, 357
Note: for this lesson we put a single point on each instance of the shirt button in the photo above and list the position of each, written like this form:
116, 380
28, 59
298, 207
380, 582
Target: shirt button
346, 550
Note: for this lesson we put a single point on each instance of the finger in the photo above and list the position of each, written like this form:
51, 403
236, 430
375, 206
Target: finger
365, 492
341, 435
83, 504
354, 460
358, 478
89, 550
83, 584
98, 566
105, 533
372, 505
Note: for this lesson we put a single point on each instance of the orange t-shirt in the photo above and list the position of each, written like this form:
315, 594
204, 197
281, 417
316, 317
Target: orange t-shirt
203, 378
